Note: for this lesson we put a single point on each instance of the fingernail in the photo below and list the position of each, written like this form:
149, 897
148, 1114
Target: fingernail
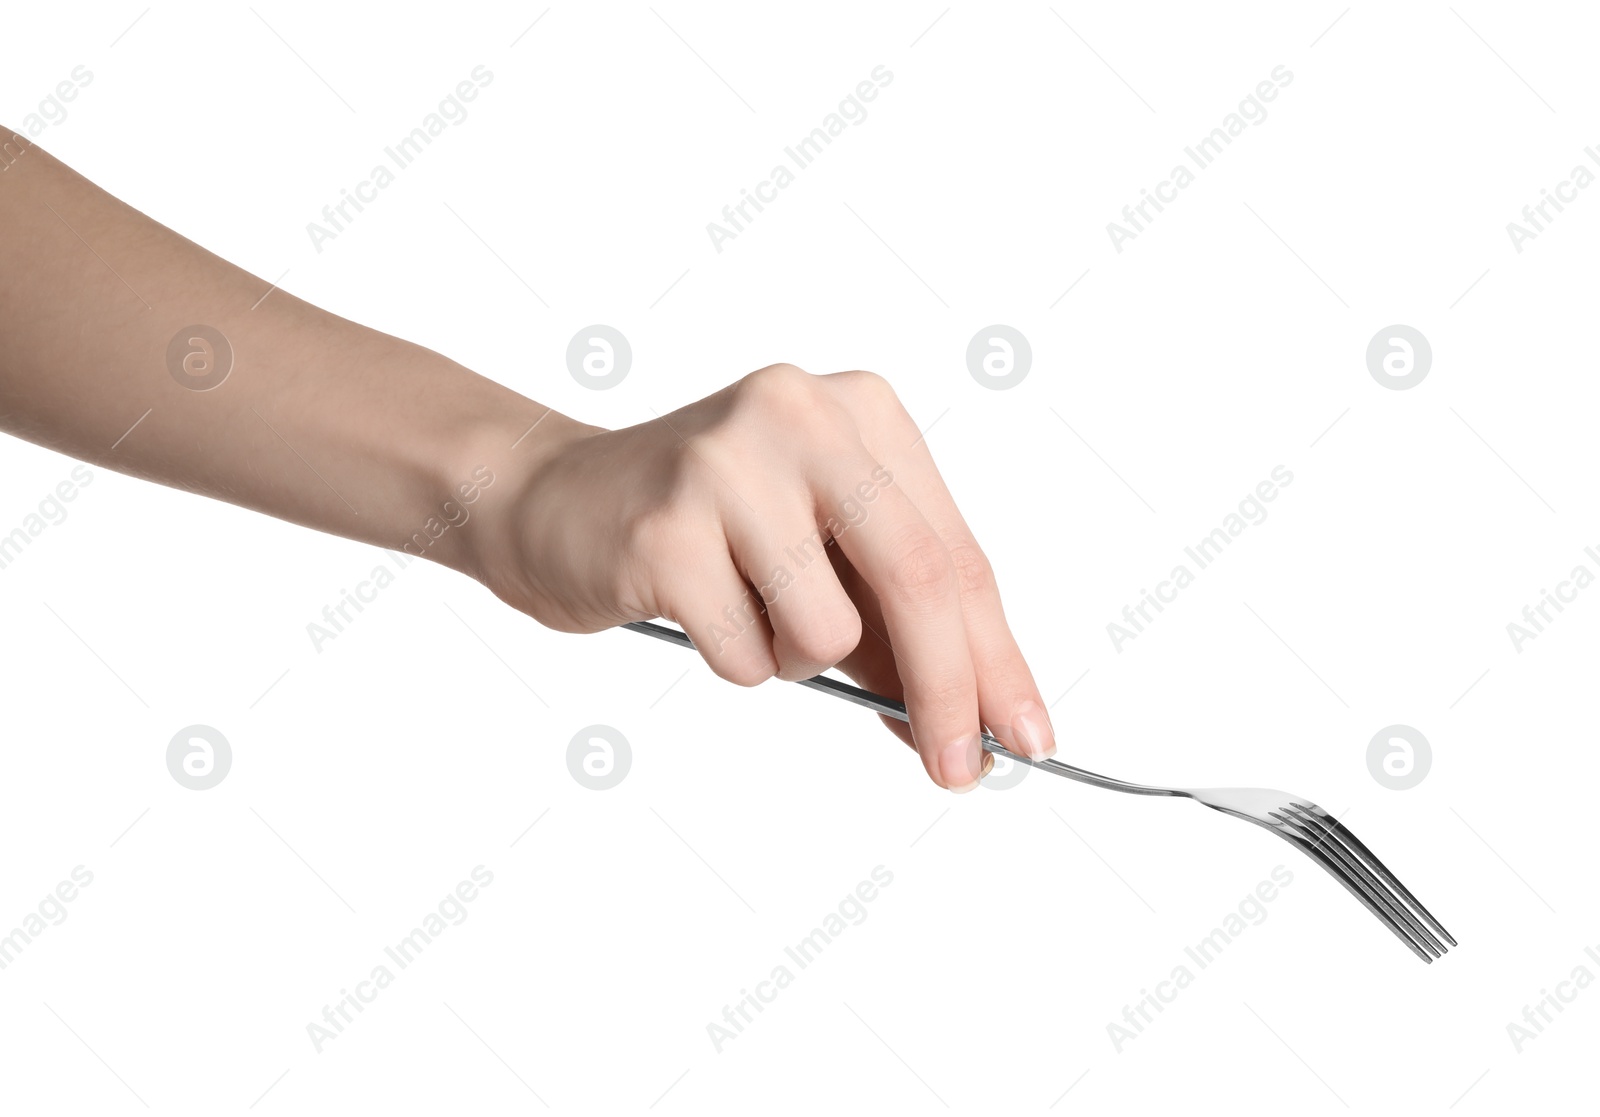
1032, 727
988, 764
960, 765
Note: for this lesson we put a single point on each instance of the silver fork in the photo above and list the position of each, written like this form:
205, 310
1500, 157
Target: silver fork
1297, 820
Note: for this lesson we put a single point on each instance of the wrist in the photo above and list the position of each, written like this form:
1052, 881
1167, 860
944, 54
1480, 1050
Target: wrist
496, 462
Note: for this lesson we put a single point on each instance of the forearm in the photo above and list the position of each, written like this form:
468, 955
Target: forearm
319, 420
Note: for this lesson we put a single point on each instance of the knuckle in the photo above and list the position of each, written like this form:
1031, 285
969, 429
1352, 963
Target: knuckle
735, 643
974, 574
779, 386
780, 369
825, 642
868, 384
744, 670
869, 391
782, 400
920, 570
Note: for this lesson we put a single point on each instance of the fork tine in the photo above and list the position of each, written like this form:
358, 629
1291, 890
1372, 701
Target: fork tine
1343, 843
1314, 850
1376, 866
1391, 903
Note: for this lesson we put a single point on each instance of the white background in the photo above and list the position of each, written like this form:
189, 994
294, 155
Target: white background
1228, 338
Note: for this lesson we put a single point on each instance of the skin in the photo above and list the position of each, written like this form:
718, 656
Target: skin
716, 516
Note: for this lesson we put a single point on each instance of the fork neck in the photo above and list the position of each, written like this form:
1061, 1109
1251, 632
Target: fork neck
1082, 775
891, 708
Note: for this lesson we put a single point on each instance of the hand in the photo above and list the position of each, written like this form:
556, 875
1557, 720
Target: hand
718, 516
789, 523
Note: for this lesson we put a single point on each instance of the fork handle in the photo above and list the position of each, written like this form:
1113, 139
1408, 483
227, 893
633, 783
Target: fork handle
892, 708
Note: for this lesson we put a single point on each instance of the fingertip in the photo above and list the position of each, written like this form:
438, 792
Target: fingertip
961, 765
1033, 732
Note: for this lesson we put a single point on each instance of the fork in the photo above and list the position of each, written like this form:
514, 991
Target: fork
1295, 819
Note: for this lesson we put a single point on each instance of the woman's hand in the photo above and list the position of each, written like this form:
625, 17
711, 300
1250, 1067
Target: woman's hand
788, 523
